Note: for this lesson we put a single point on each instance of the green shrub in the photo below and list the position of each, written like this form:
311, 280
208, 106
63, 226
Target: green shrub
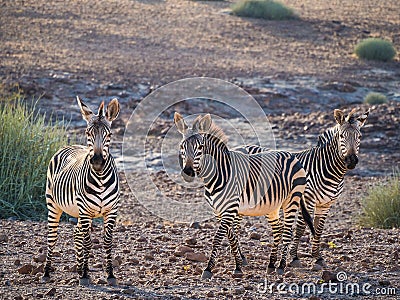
375, 49
381, 207
263, 9
375, 98
27, 145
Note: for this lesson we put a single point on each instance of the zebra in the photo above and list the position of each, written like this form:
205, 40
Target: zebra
83, 182
237, 184
326, 165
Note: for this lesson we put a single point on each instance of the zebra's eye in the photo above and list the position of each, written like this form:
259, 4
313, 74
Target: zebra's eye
342, 135
200, 147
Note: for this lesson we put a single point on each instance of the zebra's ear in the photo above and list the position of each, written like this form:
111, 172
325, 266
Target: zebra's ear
85, 110
361, 119
101, 109
113, 109
205, 123
180, 123
339, 116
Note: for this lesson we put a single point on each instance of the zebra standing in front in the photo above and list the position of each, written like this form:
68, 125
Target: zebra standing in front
83, 182
238, 184
326, 164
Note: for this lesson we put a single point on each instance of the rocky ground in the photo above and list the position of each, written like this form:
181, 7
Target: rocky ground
297, 71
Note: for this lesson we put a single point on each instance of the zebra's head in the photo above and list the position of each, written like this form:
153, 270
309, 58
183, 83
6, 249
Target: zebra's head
191, 146
98, 131
349, 135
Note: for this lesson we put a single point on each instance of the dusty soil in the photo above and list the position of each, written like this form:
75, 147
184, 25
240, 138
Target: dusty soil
98, 49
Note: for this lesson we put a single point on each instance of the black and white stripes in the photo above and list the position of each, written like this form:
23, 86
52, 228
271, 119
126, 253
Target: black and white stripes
83, 182
238, 184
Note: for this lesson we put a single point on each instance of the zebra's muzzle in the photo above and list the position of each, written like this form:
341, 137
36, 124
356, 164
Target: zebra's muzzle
97, 162
188, 174
351, 161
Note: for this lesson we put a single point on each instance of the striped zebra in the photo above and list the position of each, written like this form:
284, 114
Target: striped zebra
237, 184
83, 182
326, 164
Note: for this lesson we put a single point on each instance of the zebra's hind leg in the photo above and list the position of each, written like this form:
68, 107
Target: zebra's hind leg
54, 215
109, 223
225, 224
276, 225
234, 244
300, 228
319, 222
289, 217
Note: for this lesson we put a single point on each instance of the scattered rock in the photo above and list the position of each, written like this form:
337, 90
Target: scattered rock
102, 281
41, 258
255, 236
17, 262
39, 269
191, 241
195, 225
51, 292
384, 282
329, 276
25, 269
196, 256
3, 238
181, 250
134, 261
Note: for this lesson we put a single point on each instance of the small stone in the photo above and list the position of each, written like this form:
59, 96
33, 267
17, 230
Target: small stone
191, 241
3, 238
316, 267
37, 270
116, 263
51, 292
101, 281
149, 256
193, 256
19, 297
172, 259
195, 225
141, 239
41, 258
329, 276
17, 262
239, 290
181, 250
134, 261
210, 294
255, 236
384, 282
25, 269
197, 271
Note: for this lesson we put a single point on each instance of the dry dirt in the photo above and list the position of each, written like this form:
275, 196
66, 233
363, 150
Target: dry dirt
137, 45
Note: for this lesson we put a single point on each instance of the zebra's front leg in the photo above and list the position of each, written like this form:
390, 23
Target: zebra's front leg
319, 221
82, 248
225, 224
235, 250
54, 215
276, 225
299, 232
236, 228
109, 223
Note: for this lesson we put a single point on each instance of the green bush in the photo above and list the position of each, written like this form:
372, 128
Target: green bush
263, 9
375, 98
27, 145
375, 49
381, 208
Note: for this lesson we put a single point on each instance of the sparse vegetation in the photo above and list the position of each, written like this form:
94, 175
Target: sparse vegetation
263, 9
381, 207
27, 144
375, 98
375, 49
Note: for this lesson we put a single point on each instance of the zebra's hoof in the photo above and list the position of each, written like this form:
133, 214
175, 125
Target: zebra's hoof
84, 281
279, 271
296, 263
45, 279
112, 281
206, 275
237, 274
244, 261
270, 270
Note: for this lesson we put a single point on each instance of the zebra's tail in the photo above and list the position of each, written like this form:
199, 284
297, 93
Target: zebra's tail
307, 216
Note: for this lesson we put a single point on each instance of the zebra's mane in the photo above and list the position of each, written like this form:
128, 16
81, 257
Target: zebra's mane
216, 133
327, 136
